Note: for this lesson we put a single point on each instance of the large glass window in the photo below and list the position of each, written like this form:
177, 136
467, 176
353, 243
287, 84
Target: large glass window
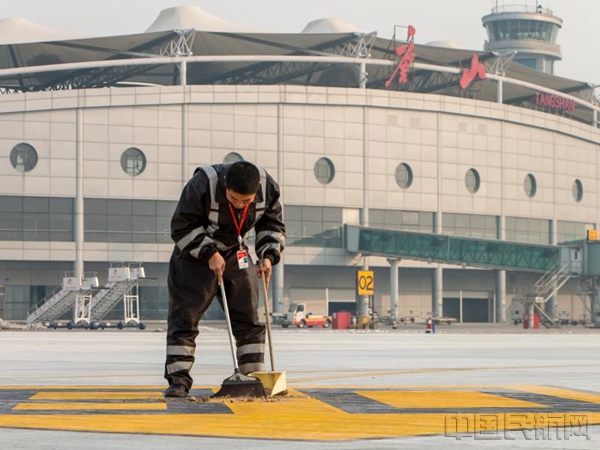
313, 226
470, 225
572, 231
113, 220
36, 219
391, 219
529, 62
531, 231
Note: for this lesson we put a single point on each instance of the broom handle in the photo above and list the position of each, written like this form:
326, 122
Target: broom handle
228, 320
266, 295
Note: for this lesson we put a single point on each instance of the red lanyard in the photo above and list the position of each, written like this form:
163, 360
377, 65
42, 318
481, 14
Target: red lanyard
239, 226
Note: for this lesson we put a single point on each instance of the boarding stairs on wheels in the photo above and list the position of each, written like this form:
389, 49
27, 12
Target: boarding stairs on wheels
543, 290
53, 306
71, 294
122, 285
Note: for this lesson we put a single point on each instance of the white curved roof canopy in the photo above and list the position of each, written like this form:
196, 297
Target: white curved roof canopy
444, 44
15, 30
188, 17
330, 25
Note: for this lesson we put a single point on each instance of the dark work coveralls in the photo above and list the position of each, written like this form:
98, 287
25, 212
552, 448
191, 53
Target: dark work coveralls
201, 226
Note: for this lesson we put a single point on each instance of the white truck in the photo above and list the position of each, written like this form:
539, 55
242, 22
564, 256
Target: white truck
298, 316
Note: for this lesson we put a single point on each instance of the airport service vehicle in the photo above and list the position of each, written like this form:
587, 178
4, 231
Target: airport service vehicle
297, 315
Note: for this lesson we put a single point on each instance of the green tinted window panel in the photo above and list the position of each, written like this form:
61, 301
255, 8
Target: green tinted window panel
503, 254
416, 245
453, 250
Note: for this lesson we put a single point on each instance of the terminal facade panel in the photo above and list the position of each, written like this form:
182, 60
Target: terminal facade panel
474, 168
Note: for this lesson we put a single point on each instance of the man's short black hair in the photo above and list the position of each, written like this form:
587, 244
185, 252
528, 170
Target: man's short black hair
242, 178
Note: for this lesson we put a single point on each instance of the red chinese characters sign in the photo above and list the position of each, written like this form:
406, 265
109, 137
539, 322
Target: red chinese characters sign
554, 101
468, 75
407, 56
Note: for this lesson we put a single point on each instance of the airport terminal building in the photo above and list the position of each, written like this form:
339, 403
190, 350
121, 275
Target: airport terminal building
99, 135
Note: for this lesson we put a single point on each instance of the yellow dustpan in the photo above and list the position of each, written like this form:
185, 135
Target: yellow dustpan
274, 382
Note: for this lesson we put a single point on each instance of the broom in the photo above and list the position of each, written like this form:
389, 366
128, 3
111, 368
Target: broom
274, 382
237, 385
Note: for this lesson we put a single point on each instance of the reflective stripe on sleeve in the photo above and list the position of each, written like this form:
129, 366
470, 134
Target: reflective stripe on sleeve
188, 238
279, 237
270, 246
196, 252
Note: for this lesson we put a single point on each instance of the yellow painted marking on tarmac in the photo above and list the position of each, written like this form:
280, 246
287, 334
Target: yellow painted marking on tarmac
561, 393
445, 399
90, 406
307, 422
97, 395
80, 388
302, 418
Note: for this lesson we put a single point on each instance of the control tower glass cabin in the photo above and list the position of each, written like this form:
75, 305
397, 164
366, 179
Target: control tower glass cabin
531, 31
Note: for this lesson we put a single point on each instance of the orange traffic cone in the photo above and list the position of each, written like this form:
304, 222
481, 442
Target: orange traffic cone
429, 326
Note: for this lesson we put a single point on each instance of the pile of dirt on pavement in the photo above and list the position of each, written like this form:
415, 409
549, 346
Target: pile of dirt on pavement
4, 325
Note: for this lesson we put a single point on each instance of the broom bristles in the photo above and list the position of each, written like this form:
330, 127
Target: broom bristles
240, 386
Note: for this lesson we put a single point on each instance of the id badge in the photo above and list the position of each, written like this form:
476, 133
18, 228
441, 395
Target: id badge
242, 257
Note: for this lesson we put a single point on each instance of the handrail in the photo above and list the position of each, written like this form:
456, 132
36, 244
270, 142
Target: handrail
522, 8
48, 297
168, 60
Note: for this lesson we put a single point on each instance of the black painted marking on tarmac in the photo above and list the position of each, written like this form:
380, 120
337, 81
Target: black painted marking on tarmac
353, 403
11, 398
343, 399
550, 401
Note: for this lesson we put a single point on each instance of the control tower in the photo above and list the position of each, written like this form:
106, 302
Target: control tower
529, 30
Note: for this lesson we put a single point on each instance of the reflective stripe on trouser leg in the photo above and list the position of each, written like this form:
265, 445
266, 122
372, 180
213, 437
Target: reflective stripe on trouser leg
192, 286
248, 368
241, 286
179, 366
250, 358
180, 350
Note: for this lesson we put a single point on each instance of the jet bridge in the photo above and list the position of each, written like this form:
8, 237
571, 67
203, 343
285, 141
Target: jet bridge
556, 264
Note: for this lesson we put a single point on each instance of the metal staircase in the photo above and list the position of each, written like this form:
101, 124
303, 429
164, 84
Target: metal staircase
543, 290
53, 306
122, 284
107, 298
551, 282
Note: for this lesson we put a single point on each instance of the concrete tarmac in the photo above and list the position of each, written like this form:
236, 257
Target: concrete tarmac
389, 362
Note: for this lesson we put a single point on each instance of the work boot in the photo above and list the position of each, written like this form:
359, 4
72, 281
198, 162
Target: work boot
176, 391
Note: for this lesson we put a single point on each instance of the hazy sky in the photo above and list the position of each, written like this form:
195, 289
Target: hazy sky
458, 20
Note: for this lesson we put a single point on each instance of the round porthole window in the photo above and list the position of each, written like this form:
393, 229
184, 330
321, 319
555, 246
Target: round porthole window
472, 181
232, 157
23, 157
133, 161
530, 185
404, 175
324, 171
577, 191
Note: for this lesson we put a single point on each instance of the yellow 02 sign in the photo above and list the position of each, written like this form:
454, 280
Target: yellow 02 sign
592, 235
366, 282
